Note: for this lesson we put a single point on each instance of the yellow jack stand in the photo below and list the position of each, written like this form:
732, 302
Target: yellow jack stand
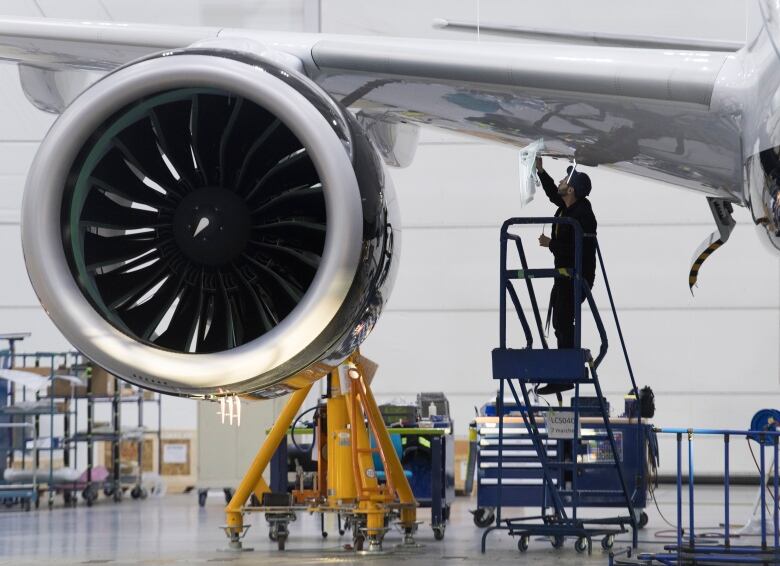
347, 480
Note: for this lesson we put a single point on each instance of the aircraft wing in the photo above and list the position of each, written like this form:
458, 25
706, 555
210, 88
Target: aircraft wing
652, 112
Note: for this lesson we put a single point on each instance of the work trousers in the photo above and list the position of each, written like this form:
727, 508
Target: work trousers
562, 302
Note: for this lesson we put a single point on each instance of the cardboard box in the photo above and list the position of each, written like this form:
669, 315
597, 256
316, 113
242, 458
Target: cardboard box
128, 455
176, 457
102, 382
461, 464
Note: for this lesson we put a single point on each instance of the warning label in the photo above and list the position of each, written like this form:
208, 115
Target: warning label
560, 426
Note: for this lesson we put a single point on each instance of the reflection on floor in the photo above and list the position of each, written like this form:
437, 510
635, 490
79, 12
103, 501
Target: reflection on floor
174, 530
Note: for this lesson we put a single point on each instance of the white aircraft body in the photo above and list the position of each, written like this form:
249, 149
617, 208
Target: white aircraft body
209, 214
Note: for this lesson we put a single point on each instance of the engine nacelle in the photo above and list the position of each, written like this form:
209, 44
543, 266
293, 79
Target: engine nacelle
204, 222
762, 174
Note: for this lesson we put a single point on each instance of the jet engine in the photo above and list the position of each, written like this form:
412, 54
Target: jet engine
205, 222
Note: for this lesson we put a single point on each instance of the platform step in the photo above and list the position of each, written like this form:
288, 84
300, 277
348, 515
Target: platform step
542, 366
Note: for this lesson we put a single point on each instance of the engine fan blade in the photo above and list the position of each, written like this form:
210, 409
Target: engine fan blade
101, 251
114, 175
210, 115
145, 315
102, 212
171, 124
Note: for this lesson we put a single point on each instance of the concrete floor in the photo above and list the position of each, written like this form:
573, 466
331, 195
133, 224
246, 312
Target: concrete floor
174, 530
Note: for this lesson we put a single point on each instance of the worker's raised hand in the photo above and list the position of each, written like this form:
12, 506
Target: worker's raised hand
539, 166
544, 241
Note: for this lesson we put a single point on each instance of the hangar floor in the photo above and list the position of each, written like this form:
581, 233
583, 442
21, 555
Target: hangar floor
174, 530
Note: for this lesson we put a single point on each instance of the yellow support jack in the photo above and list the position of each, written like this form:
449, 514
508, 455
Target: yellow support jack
347, 482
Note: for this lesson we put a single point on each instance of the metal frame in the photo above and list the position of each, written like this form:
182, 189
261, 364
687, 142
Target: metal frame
687, 549
575, 366
364, 501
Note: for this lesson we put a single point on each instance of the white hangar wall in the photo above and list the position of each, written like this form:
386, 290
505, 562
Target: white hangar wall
713, 359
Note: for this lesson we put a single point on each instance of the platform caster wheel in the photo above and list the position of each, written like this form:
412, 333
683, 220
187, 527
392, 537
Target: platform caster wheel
89, 495
118, 494
139, 492
522, 543
581, 545
557, 541
438, 532
608, 542
358, 543
26, 505
272, 535
202, 496
483, 517
281, 540
643, 520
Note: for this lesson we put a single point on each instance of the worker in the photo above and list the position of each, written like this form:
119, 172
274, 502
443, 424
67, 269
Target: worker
570, 196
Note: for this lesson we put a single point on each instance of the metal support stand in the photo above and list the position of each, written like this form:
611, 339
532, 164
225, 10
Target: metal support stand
351, 487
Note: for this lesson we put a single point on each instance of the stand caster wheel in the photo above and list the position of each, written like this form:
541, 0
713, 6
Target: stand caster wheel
581, 545
557, 541
438, 532
202, 496
483, 517
139, 492
324, 534
90, 495
643, 519
608, 542
522, 543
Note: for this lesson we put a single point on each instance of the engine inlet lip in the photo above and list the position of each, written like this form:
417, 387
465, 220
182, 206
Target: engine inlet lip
240, 369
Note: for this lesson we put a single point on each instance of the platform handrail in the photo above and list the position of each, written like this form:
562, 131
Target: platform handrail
614, 314
578, 238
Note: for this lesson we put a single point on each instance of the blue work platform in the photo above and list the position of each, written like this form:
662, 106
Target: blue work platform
564, 482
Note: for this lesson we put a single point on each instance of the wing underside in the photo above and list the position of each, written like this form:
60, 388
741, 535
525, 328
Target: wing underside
645, 111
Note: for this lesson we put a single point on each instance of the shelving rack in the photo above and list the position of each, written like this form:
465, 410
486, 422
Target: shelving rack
115, 485
69, 440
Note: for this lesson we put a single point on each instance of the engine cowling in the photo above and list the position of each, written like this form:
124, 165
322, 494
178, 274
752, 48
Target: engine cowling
206, 222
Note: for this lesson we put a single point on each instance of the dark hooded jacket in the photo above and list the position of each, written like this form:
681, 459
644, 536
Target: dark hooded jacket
562, 239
